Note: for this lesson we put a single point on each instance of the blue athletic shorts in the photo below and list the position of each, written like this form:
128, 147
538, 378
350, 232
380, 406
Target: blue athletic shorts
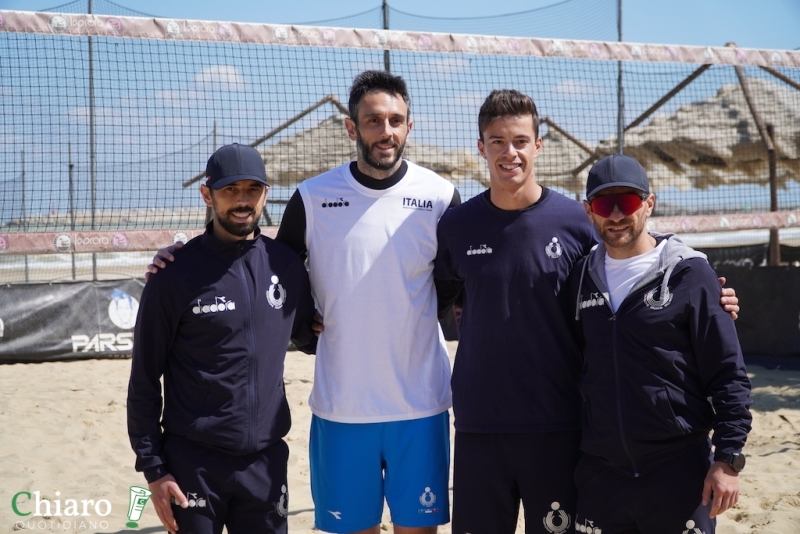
355, 466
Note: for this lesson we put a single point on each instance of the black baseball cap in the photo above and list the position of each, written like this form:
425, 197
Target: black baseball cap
616, 170
234, 162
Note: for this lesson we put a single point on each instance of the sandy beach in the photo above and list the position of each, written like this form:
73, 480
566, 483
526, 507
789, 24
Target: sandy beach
64, 436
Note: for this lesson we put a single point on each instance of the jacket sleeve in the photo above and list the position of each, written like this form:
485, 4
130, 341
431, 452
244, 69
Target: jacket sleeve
568, 299
303, 335
154, 334
448, 284
720, 362
292, 231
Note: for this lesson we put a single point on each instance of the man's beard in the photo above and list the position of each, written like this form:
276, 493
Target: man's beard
366, 154
238, 229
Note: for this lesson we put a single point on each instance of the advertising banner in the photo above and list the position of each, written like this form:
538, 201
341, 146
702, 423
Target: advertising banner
41, 322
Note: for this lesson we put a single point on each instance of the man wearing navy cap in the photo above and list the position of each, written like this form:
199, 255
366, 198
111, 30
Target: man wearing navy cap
216, 327
662, 369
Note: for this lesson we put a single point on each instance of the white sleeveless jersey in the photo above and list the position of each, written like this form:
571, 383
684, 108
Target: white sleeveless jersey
382, 356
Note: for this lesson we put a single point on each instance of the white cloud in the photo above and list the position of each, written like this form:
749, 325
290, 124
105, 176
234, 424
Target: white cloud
224, 77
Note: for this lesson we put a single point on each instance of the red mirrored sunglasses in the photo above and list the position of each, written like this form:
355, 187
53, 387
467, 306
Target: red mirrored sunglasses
627, 203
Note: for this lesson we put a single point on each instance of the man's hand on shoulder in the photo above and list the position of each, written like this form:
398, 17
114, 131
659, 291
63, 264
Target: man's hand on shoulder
164, 490
728, 299
160, 260
721, 488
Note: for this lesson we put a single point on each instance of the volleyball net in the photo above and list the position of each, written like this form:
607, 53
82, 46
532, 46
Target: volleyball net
108, 122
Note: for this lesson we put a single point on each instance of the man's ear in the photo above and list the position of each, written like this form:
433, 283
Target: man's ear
482, 149
588, 209
651, 203
351, 128
205, 191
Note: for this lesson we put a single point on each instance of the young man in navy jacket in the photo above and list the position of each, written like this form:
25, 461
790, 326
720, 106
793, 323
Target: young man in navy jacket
662, 369
216, 327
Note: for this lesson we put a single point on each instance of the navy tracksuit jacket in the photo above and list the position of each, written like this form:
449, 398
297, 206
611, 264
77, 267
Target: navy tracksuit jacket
216, 324
665, 369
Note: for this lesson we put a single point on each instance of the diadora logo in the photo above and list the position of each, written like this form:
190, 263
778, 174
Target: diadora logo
595, 299
337, 203
653, 303
588, 527
556, 521
417, 204
221, 304
482, 249
427, 499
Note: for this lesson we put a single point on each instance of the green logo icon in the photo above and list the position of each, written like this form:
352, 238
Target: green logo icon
139, 497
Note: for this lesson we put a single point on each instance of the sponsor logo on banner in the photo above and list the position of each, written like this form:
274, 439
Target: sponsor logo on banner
281, 34
225, 31
122, 309
63, 243
3, 243
114, 25
329, 36
180, 237
122, 312
119, 240
106, 342
173, 29
424, 41
58, 24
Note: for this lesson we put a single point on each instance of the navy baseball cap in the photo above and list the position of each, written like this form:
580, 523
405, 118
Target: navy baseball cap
616, 170
232, 163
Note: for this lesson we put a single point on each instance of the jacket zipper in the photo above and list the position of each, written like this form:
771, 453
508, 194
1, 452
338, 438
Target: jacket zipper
252, 359
620, 418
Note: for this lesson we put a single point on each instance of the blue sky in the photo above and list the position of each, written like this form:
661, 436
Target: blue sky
749, 23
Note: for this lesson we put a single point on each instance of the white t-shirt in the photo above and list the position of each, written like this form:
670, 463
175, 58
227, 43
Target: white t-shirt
621, 275
382, 356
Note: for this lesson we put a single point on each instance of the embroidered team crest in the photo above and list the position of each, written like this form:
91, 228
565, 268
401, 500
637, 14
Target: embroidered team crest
282, 505
428, 498
553, 248
556, 520
276, 294
653, 303
691, 529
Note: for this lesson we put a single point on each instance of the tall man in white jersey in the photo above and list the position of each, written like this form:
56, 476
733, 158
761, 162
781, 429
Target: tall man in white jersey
381, 390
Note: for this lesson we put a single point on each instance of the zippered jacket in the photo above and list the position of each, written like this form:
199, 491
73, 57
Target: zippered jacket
216, 324
665, 369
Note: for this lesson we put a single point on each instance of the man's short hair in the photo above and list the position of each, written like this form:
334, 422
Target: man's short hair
506, 103
376, 80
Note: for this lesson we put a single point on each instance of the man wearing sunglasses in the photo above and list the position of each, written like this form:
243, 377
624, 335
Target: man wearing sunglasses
657, 346
516, 401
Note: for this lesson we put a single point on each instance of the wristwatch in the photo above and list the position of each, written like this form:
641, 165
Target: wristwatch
735, 460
